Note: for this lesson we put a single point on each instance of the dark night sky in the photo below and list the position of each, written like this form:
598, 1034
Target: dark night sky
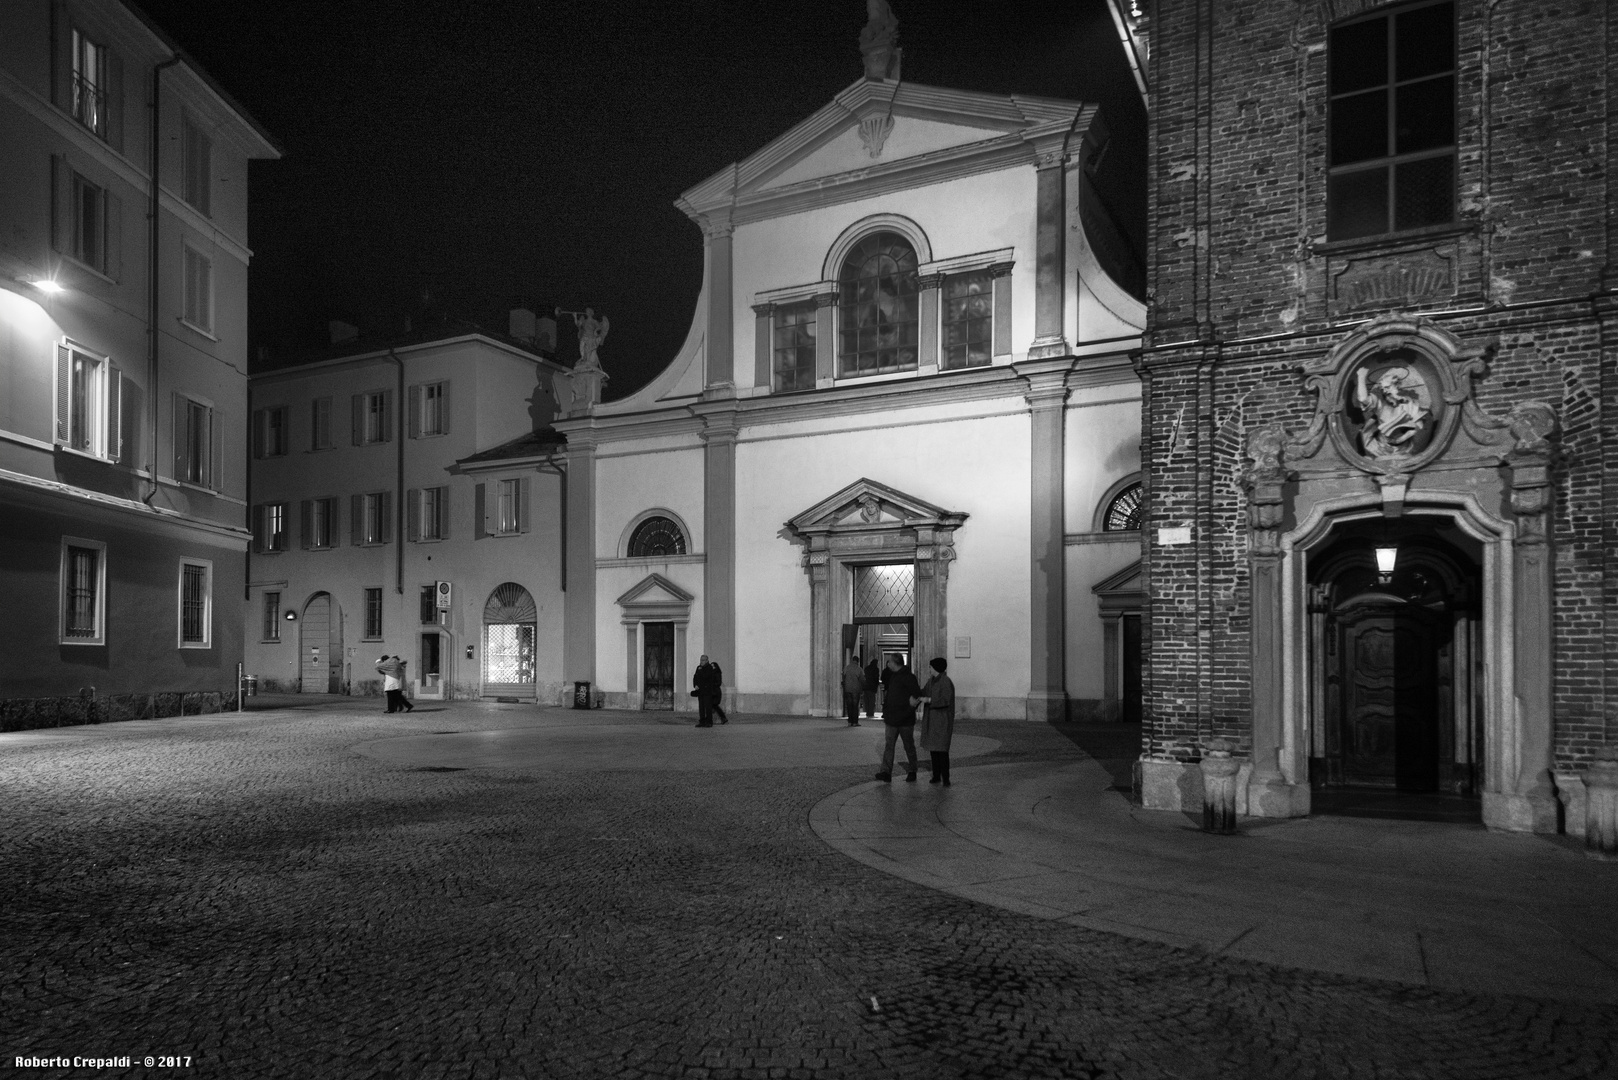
496, 153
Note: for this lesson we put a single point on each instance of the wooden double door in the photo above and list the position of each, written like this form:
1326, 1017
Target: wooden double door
1390, 676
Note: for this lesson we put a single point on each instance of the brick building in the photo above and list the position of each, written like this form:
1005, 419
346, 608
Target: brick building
1383, 316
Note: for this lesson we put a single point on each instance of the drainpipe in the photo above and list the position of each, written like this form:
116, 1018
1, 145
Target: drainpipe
151, 271
399, 488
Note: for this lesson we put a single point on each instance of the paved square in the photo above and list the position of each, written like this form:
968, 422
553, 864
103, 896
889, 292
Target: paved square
283, 895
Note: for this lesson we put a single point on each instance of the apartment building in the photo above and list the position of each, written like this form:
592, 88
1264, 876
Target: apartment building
123, 367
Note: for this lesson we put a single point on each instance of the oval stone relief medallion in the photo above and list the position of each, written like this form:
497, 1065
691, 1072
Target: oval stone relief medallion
1392, 404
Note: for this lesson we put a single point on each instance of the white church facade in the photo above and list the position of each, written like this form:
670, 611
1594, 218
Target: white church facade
900, 423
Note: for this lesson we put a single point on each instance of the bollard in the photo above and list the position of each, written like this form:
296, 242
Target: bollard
1219, 771
1601, 805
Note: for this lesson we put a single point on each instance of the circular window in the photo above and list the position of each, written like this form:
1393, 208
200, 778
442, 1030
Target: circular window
1123, 513
656, 537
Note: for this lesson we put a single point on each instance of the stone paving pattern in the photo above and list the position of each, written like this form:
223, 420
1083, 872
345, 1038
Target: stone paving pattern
253, 893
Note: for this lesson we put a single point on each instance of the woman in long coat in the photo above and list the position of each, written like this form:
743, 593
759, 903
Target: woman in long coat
938, 719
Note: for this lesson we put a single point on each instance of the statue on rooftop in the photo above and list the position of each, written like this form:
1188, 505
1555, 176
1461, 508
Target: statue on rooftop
879, 41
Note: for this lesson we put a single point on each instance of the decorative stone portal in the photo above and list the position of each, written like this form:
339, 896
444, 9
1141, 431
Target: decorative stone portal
868, 524
655, 613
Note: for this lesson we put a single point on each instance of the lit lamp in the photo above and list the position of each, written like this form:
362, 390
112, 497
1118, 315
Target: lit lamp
292, 616
46, 286
1386, 555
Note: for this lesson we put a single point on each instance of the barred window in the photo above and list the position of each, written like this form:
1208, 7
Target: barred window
655, 537
1392, 122
272, 616
794, 334
195, 603
373, 613
878, 305
82, 577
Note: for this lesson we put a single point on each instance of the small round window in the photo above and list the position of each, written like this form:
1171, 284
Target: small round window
1123, 513
655, 537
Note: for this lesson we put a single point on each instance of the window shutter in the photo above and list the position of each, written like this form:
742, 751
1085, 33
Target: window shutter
115, 102
523, 484
443, 410
333, 521
356, 524
258, 529
306, 523
387, 416
64, 391
444, 516
260, 431
413, 408
320, 438
359, 419
61, 204
480, 512
412, 513
115, 413
179, 436
113, 249
386, 499
216, 452
61, 58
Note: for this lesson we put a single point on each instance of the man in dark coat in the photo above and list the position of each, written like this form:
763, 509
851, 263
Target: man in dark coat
708, 682
899, 688
873, 679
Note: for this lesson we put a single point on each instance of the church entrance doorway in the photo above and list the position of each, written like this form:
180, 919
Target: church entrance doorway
657, 662
883, 623
1398, 674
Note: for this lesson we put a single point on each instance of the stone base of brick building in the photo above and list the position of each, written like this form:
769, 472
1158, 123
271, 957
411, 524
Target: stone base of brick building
1046, 706
30, 714
1570, 792
1172, 784
1522, 813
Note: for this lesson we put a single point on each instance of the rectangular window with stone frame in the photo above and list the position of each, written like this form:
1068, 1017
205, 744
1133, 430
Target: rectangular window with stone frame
793, 346
373, 614
968, 320
371, 519
272, 617
1391, 149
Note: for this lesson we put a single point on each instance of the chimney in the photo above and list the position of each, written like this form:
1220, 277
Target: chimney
342, 331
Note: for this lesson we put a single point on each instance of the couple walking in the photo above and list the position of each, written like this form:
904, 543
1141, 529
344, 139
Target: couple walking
707, 686
392, 670
902, 698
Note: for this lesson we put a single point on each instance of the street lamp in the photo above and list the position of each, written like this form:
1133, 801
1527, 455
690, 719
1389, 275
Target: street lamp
46, 286
292, 616
1387, 553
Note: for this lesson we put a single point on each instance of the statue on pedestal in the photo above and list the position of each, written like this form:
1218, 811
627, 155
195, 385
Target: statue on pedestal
879, 41
585, 381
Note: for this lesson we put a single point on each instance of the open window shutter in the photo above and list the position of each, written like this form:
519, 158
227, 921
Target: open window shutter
61, 204
387, 516
444, 516
115, 102
115, 413
305, 523
115, 237
260, 432
356, 520
413, 513
61, 58
64, 391
523, 485
359, 419
443, 409
413, 408
258, 529
179, 436
216, 451
480, 511
387, 416
333, 521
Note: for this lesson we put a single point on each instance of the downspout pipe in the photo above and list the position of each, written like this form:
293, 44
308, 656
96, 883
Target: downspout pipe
152, 269
399, 488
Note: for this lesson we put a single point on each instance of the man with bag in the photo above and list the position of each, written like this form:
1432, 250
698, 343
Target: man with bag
900, 690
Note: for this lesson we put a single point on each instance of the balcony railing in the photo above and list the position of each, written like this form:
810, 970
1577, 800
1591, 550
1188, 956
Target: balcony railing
89, 104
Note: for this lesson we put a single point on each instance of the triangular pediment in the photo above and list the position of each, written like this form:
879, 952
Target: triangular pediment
868, 505
927, 121
1126, 582
652, 590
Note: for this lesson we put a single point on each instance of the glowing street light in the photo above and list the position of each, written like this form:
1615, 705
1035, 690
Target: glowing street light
1386, 556
46, 286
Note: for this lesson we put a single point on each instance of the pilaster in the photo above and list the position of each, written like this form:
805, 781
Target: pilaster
928, 360
1047, 587
1050, 252
579, 603
719, 352
825, 341
719, 529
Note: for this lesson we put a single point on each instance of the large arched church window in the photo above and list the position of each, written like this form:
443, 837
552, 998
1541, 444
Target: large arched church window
1124, 511
655, 537
878, 305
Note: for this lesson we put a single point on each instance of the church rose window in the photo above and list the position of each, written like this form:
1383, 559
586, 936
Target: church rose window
1123, 513
654, 537
878, 302
1392, 122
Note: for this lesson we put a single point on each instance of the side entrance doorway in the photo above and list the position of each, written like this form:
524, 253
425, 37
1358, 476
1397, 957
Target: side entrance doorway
320, 647
510, 642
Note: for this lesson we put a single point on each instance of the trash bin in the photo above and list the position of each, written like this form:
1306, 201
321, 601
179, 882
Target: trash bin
581, 695
251, 684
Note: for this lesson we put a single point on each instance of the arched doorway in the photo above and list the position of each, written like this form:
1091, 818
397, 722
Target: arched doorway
320, 647
510, 638
1395, 671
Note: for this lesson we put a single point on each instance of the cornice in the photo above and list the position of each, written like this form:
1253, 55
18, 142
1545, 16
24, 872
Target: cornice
83, 498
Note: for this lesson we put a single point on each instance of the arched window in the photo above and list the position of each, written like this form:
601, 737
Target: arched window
654, 537
1123, 513
878, 301
510, 641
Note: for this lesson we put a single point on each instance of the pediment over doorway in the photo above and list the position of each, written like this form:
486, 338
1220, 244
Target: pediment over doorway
867, 506
654, 598
1123, 590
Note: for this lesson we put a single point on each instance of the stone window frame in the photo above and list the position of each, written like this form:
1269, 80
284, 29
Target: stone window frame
646, 515
99, 618
205, 641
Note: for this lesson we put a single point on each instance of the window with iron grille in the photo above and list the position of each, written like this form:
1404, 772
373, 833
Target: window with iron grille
83, 586
656, 536
794, 346
272, 616
878, 307
373, 613
1391, 157
196, 601
968, 319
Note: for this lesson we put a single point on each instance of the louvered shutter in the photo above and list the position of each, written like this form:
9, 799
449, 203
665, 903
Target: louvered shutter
443, 409
480, 511
413, 513
216, 451
258, 528
386, 514
64, 392
113, 250
444, 516
115, 413
61, 58
414, 412
306, 521
356, 524
260, 431
333, 521
61, 204
387, 416
359, 419
180, 440
523, 484
115, 101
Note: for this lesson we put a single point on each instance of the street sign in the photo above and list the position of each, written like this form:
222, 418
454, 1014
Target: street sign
442, 588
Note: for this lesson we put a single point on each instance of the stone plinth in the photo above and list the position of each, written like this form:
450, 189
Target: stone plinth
1601, 805
1219, 771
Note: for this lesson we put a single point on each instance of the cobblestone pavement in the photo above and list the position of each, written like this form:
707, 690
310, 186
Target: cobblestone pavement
254, 895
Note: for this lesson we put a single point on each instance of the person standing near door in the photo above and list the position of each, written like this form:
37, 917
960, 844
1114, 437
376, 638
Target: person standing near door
873, 679
707, 684
853, 688
938, 719
899, 692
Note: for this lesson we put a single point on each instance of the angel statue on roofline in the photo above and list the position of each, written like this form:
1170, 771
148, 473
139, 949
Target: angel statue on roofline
1398, 411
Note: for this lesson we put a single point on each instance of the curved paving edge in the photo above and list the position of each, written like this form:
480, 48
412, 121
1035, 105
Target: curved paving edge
1413, 902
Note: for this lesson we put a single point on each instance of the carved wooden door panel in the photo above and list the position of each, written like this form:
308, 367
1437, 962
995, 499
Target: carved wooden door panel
1389, 680
658, 665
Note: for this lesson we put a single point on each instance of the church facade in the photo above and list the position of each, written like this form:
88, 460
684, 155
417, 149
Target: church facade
1381, 403
901, 419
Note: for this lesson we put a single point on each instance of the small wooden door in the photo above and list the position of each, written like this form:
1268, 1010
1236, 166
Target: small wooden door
431, 669
1390, 721
657, 662
318, 663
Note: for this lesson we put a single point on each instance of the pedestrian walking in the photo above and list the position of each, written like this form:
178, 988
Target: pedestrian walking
853, 689
873, 679
938, 719
392, 670
900, 692
707, 686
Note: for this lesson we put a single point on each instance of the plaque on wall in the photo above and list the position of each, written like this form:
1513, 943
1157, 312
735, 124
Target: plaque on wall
1416, 277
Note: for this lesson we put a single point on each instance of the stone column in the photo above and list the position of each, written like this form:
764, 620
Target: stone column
1050, 254
764, 346
934, 552
817, 564
719, 350
719, 531
1047, 578
928, 357
579, 604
